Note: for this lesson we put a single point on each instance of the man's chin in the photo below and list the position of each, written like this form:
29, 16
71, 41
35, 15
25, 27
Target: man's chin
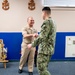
43, 18
31, 25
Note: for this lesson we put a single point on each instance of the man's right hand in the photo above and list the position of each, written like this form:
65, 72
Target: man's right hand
35, 35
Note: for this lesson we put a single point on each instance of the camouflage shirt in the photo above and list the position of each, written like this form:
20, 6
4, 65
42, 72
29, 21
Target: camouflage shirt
46, 38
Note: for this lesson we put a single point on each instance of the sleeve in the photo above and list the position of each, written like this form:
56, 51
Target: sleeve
36, 31
43, 34
24, 31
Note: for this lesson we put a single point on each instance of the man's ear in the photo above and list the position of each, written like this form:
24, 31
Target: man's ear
45, 13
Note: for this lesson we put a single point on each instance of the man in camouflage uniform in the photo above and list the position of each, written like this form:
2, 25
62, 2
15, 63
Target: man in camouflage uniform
28, 33
46, 42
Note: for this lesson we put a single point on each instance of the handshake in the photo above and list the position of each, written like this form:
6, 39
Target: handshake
35, 35
30, 45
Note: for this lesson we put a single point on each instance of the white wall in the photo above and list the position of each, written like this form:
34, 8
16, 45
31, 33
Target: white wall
15, 18
65, 19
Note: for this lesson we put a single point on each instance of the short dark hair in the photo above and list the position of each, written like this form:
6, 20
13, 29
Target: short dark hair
47, 9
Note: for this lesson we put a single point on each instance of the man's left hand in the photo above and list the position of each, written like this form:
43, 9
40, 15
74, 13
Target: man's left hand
29, 46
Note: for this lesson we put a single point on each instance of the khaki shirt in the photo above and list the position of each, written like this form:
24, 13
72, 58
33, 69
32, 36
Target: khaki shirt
28, 30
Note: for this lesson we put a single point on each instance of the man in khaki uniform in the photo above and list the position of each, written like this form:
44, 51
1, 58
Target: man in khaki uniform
29, 34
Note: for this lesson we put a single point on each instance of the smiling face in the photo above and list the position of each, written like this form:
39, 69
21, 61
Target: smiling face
30, 21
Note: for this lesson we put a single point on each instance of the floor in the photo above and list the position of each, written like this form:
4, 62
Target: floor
55, 67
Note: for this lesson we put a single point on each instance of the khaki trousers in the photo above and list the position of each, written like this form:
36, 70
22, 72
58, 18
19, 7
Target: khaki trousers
24, 55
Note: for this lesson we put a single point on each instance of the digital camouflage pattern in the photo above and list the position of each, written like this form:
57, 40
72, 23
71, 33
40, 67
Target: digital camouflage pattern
43, 61
46, 38
46, 42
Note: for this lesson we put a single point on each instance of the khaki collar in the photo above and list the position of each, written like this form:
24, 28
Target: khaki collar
29, 27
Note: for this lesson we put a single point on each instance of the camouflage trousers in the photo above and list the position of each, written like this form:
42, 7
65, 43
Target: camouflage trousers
42, 64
